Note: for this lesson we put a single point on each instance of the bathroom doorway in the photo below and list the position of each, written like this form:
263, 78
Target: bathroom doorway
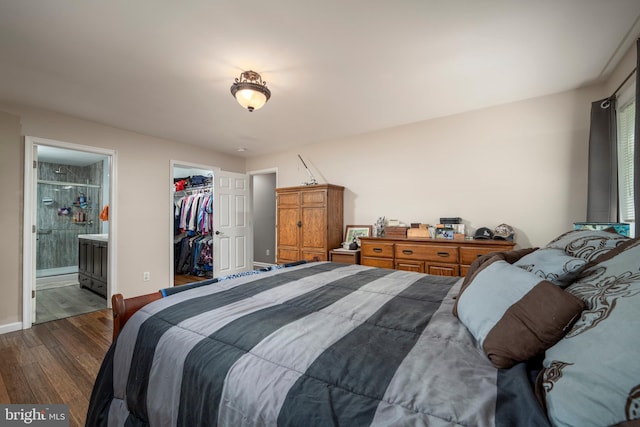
70, 197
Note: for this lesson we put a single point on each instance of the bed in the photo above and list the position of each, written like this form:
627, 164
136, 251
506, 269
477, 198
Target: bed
328, 344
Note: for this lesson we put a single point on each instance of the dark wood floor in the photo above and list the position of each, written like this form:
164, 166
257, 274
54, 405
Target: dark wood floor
55, 362
183, 279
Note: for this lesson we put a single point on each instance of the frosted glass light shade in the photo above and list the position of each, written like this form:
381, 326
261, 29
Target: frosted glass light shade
251, 99
250, 91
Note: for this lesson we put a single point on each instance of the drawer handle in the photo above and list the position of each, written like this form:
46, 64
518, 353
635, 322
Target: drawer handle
407, 251
443, 254
377, 250
478, 256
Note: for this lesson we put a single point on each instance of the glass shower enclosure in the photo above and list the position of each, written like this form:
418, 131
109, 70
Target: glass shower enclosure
69, 201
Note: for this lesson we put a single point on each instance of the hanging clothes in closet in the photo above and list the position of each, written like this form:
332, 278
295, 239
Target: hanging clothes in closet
193, 227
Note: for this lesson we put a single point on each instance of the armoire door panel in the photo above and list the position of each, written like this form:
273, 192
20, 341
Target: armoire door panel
288, 254
314, 256
288, 230
314, 228
289, 199
314, 198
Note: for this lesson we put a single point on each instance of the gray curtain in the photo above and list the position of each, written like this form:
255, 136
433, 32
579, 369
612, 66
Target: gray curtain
602, 196
636, 142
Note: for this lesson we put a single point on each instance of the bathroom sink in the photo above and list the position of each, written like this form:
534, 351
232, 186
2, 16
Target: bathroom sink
103, 237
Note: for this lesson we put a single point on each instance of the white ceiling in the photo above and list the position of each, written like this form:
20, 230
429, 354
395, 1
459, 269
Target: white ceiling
335, 68
62, 156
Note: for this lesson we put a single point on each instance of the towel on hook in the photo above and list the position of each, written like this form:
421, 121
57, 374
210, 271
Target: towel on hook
104, 215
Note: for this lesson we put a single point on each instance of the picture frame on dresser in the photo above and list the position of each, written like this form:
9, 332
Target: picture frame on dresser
354, 232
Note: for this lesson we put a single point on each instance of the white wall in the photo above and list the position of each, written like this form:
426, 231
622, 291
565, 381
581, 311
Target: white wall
524, 164
144, 201
626, 65
11, 170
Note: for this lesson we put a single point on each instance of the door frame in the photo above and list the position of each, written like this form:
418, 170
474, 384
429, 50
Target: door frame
251, 174
172, 165
217, 171
30, 226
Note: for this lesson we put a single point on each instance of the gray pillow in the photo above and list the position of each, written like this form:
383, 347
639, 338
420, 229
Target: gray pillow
592, 375
552, 264
513, 314
587, 244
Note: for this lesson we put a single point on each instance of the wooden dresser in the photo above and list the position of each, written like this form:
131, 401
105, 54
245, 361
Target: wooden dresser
308, 222
434, 256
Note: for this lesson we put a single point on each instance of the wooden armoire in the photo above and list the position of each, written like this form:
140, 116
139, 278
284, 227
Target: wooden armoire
308, 222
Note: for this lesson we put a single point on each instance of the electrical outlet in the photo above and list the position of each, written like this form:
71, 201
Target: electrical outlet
268, 252
146, 276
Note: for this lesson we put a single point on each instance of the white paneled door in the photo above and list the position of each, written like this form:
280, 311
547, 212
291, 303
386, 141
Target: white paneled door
231, 224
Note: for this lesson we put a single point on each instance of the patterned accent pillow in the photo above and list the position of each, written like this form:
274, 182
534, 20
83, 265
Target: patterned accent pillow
513, 314
592, 375
587, 244
552, 264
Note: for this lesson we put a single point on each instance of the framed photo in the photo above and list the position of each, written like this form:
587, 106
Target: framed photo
354, 232
444, 233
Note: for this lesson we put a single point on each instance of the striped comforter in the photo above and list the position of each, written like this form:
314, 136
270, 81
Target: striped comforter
319, 344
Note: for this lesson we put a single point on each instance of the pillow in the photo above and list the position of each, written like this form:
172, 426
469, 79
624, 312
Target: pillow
513, 314
483, 261
587, 244
552, 264
592, 375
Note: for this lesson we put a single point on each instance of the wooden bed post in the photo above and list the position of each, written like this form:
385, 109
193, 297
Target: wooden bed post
123, 308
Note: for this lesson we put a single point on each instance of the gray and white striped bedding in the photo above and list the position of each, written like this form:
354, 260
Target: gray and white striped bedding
319, 344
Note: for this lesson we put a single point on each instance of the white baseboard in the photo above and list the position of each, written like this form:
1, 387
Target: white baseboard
10, 327
57, 271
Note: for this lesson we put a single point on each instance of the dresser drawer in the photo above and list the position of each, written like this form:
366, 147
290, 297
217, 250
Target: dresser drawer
447, 254
377, 249
433, 256
443, 269
417, 266
469, 254
377, 262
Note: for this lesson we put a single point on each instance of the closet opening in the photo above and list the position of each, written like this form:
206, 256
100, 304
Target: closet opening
192, 224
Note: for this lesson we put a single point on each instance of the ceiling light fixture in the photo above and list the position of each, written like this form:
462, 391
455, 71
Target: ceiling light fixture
250, 91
